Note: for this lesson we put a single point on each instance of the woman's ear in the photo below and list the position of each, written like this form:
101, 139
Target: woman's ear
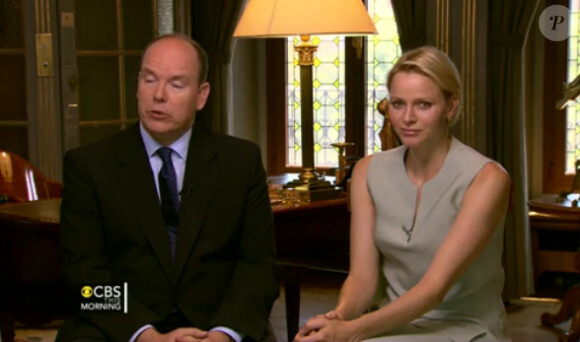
452, 106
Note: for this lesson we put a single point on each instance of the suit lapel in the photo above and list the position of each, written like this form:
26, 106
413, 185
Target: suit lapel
136, 180
201, 175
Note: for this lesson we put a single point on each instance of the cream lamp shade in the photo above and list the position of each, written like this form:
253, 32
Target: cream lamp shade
282, 18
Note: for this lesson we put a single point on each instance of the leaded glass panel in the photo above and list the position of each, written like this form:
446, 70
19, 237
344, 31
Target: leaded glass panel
573, 109
382, 53
328, 97
329, 88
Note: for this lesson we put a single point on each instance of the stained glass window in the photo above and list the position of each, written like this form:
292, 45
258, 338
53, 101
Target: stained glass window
573, 109
329, 88
328, 97
382, 53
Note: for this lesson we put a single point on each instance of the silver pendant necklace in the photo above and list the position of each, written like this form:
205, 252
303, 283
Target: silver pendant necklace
409, 232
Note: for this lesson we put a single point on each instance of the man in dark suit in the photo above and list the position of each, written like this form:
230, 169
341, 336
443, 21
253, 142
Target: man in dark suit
180, 214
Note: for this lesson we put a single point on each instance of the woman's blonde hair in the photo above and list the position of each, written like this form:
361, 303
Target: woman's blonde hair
436, 65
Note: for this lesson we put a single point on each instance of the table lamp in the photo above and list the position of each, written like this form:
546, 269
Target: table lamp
283, 18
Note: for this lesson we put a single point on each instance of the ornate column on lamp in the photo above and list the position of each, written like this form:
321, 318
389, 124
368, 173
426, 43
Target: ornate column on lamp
283, 18
306, 52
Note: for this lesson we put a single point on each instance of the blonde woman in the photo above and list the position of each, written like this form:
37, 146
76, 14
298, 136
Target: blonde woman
430, 215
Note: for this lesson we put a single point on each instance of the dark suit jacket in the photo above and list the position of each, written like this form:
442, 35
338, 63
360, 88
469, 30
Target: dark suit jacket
112, 230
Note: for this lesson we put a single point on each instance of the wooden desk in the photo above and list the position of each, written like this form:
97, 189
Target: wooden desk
29, 264
555, 234
312, 236
323, 224
549, 217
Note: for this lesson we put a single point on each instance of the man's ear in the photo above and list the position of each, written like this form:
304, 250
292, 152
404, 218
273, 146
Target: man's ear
203, 93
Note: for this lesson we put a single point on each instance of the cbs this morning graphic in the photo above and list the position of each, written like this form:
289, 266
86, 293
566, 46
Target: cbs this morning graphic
104, 298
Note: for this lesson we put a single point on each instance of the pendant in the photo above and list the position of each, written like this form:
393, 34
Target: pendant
409, 232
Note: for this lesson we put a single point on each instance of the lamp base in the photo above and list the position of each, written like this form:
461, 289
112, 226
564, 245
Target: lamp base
313, 188
320, 194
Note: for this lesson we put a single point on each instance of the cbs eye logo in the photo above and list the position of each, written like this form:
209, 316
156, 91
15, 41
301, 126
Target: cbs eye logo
101, 291
86, 291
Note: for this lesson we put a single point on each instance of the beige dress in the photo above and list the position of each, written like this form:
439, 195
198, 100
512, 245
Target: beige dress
473, 309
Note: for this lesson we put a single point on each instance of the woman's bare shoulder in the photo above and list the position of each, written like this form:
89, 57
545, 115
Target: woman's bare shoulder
493, 173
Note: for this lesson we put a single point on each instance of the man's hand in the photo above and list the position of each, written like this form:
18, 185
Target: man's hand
177, 335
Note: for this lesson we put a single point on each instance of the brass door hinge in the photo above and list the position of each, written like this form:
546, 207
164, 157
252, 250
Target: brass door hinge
44, 61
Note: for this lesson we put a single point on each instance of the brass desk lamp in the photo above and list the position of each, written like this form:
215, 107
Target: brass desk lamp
303, 18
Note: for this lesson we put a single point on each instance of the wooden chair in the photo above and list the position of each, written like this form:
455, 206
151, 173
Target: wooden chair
20, 181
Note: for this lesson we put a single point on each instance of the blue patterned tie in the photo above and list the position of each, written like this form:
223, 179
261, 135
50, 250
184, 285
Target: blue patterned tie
169, 196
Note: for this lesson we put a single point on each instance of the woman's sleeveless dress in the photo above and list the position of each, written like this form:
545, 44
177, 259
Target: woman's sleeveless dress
473, 309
